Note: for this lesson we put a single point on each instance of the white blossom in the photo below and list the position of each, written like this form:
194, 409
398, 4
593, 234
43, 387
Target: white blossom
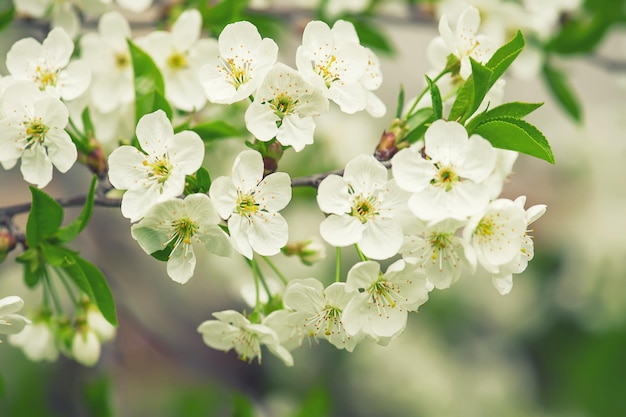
334, 61
32, 129
48, 65
284, 106
106, 52
464, 44
380, 307
438, 251
362, 205
10, 321
251, 203
232, 330
243, 60
447, 183
177, 224
158, 174
86, 347
179, 54
320, 310
37, 341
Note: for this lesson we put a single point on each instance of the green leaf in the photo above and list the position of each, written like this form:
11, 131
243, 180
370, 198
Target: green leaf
418, 123
7, 13
585, 31
504, 56
163, 255
45, 218
69, 232
472, 93
34, 266
148, 84
103, 298
204, 180
214, 130
400, 104
435, 96
66, 260
90, 131
561, 90
516, 135
371, 36
515, 109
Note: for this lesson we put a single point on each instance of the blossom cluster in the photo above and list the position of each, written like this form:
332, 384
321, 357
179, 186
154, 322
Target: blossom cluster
438, 217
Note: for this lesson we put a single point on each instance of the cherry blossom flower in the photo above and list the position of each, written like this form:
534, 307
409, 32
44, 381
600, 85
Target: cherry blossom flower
180, 54
232, 330
447, 183
334, 62
158, 174
178, 224
37, 341
48, 65
106, 52
32, 129
251, 203
86, 346
380, 307
243, 60
320, 310
283, 107
362, 205
502, 279
10, 321
438, 251
464, 44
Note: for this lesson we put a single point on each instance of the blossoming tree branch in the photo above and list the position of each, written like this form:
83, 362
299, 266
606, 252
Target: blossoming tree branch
426, 202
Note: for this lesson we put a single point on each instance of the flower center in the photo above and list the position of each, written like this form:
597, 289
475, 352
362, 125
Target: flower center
246, 205
283, 105
160, 169
328, 319
247, 346
122, 60
45, 78
486, 227
443, 249
363, 208
384, 294
446, 178
177, 61
36, 132
326, 68
184, 229
238, 72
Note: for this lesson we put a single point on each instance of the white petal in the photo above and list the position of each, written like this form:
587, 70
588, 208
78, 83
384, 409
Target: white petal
224, 196
261, 121
154, 130
332, 195
274, 192
381, 239
182, 263
268, 233
186, 151
296, 131
36, 166
247, 170
341, 230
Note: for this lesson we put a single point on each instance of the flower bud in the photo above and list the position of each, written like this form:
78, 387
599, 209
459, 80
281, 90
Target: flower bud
86, 347
309, 251
7, 243
390, 139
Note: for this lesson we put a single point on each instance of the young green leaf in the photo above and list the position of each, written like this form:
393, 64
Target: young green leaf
148, 84
562, 91
7, 12
400, 104
472, 93
217, 129
418, 123
34, 266
516, 135
69, 232
371, 36
103, 298
515, 109
66, 260
504, 56
435, 96
44, 219
90, 131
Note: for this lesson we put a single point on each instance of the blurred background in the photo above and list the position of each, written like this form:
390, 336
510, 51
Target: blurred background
554, 347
